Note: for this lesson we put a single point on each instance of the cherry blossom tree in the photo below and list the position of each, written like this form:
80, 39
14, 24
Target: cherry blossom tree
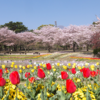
7, 37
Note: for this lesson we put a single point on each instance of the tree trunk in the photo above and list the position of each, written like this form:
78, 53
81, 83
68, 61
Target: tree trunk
5, 47
15, 47
25, 50
87, 47
73, 46
28, 49
49, 49
20, 48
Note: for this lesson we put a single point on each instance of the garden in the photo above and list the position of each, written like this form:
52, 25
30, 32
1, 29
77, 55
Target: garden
66, 66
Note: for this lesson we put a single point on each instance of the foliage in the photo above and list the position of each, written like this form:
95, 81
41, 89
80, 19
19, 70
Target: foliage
17, 27
43, 26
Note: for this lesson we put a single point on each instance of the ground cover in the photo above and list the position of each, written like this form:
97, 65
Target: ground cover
53, 78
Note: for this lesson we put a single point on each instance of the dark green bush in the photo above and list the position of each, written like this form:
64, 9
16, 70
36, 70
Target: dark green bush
95, 51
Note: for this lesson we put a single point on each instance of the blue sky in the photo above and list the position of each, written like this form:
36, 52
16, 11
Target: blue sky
34, 13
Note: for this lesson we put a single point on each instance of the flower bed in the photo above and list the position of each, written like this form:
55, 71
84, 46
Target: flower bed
47, 81
89, 58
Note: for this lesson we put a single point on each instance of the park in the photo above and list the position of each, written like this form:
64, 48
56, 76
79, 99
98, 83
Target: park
49, 62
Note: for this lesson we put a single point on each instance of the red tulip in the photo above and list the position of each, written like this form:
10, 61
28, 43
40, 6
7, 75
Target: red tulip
70, 86
64, 75
32, 79
2, 82
70, 70
48, 66
1, 71
86, 72
38, 67
0, 75
6, 69
81, 70
73, 71
27, 74
93, 73
98, 72
14, 78
41, 73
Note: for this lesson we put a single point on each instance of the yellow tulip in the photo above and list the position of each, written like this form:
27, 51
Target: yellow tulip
97, 63
44, 65
64, 67
86, 64
79, 67
73, 66
48, 72
20, 71
20, 66
92, 67
23, 67
13, 63
3, 66
53, 66
15, 66
12, 66
40, 64
28, 66
34, 67
82, 66
58, 64
32, 70
69, 64
54, 69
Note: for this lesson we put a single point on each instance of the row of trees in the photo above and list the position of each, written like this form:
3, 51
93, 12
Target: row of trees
48, 37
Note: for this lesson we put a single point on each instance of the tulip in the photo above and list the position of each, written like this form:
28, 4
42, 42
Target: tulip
70, 86
20, 66
2, 82
86, 72
93, 73
97, 63
31, 80
14, 78
41, 73
12, 66
23, 67
98, 72
1, 72
27, 74
54, 69
92, 67
73, 71
40, 64
13, 63
69, 64
6, 71
32, 70
64, 75
58, 64
48, 72
38, 67
44, 65
48, 66
64, 67
20, 71
34, 67
3, 66
15, 66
